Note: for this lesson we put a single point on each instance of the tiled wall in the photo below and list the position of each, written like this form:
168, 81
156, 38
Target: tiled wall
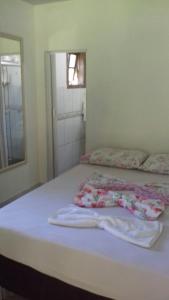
14, 112
69, 128
70, 100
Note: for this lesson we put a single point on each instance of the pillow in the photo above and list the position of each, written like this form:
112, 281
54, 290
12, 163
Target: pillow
120, 158
156, 163
84, 159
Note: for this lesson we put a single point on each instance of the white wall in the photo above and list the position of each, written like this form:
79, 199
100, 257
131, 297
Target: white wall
8, 46
16, 17
127, 68
127, 73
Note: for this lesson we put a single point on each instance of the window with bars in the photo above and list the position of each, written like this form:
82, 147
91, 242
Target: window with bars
76, 70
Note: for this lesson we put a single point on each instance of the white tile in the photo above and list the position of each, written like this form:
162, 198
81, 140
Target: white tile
60, 101
64, 101
75, 130
68, 156
81, 95
73, 102
60, 132
82, 130
76, 152
60, 160
78, 127
55, 133
84, 93
68, 101
77, 105
82, 147
68, 130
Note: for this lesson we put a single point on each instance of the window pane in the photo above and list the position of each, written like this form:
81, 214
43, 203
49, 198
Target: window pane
11, 59
71, 72
76, 70
73, 79
72, 60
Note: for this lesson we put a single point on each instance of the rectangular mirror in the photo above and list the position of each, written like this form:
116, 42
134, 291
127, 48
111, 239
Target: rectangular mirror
12, 133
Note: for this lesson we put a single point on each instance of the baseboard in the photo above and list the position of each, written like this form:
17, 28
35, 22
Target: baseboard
19, 195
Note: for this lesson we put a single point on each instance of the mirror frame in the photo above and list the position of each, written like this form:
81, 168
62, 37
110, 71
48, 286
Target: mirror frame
20, 40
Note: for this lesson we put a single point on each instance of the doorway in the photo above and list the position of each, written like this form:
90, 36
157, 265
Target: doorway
68, 107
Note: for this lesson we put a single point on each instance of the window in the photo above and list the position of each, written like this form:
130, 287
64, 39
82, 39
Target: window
76, 70
10, 60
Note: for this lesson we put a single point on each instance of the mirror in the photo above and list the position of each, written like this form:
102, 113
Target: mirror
12, 137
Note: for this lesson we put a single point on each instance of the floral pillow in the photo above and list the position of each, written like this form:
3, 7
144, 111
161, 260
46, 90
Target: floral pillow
84, 159
156, 163
120, 158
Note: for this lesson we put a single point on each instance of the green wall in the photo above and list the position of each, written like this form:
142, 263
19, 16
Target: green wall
127, 46
9, 46
17, 18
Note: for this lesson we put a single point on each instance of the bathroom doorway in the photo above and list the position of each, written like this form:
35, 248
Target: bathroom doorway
67, 89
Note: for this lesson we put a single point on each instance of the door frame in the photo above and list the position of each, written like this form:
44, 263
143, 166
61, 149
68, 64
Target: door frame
3, 137
49, 107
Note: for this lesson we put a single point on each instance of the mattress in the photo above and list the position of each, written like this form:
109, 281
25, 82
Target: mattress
91, 259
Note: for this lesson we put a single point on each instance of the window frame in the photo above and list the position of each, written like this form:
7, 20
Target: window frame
80, 85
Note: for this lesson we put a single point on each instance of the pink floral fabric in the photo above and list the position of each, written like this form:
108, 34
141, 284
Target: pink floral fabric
84, 159
144, 201
120, 158
156, 163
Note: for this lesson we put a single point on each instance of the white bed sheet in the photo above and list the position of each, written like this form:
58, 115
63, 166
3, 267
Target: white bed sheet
91, 259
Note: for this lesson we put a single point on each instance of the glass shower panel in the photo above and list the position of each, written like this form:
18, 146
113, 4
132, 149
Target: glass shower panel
12, 108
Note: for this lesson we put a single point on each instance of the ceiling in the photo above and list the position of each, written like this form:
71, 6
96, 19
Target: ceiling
42, 1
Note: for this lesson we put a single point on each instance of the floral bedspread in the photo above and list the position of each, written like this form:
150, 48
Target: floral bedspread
145, 201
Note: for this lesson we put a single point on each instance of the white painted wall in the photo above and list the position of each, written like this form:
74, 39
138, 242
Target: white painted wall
127, 44
8, 46
16, 17
127, 73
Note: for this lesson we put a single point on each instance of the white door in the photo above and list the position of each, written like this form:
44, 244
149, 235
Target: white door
68, 117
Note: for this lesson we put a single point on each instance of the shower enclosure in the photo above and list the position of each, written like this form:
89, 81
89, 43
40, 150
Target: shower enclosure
11, 111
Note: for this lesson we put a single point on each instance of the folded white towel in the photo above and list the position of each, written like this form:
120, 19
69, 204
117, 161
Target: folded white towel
141, 233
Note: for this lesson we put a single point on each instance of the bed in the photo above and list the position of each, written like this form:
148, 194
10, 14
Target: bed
42, 261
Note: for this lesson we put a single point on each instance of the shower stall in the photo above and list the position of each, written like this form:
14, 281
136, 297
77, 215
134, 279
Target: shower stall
11, 111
